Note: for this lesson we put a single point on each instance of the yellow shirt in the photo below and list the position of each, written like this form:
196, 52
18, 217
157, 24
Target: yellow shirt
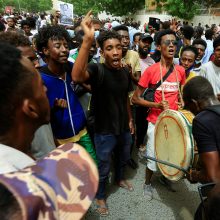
190, 76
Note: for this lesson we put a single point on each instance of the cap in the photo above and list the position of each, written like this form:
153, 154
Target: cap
60, 186
145, 36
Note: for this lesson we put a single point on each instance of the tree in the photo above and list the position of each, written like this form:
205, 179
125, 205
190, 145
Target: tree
185, 9
28, 5
120, 8
114, 7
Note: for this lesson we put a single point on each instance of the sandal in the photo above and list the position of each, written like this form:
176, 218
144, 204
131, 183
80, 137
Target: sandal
102, 210
126, 185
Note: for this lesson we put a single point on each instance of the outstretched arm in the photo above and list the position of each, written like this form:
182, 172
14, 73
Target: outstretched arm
79, 71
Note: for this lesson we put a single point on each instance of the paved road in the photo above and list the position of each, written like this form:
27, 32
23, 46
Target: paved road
166, 205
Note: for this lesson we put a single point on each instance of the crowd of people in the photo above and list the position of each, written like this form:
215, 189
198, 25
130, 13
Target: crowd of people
73, 100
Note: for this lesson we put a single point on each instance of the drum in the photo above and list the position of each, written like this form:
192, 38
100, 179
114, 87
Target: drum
174, 143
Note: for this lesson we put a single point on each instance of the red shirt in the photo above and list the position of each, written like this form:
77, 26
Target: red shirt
151, 77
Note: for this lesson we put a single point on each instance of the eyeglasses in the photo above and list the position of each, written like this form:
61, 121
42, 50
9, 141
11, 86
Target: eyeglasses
168, 42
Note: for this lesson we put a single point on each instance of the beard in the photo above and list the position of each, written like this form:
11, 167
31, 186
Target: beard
142, 52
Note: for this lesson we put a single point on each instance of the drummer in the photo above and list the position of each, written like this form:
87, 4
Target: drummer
166, 96
200, 99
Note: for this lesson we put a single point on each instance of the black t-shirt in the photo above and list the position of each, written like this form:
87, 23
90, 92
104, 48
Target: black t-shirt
206, 130
110, 93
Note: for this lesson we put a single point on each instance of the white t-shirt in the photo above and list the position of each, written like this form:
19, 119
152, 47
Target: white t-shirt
211, 72
145, 63
13, 160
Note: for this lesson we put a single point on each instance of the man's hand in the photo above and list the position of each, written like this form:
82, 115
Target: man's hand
164, 105
88, 28
60, 103
131, 126
192, 176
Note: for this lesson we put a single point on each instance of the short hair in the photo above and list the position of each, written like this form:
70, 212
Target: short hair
165, 25
135, 35
188, 31
9, 206
51, 33
199, 30
120, 28
14, 83
96, 21
216, 42
10, 18
31, 21
198, 88
199, 41
14, 38
163, 33
25, 22
189, 48
79, 37
209, 34
105, 35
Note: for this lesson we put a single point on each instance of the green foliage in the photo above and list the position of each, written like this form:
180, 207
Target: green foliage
185, 9
126, 7
28, 5
114, 7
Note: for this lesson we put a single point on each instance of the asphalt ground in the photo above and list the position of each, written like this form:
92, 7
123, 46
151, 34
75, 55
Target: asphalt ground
165, 205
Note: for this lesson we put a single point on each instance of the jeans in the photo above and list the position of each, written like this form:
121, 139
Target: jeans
106, 144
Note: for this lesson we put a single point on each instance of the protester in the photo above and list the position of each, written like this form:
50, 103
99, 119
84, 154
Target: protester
145, 42
201, 46
187, 60
166, 96
211, 69
24, 108
110, 86
200, 99
67, 116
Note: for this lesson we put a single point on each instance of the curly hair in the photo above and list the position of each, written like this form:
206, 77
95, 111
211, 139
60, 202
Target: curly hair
50, 33
25, 22
216, 42
105, 35
190, 48
199, 41
15, 39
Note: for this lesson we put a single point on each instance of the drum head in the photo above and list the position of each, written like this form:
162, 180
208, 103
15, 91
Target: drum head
173, 143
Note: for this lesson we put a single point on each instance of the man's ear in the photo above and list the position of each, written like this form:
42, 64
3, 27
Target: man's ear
196, 104
101, 52
29, 108
158, 47
46, 51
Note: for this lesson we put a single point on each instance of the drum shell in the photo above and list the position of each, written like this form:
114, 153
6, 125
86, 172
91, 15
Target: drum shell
174, 143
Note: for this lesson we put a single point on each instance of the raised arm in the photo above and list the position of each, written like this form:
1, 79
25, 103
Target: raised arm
79, 71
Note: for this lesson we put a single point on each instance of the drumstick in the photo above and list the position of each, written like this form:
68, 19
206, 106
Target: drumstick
168, 164
161, 78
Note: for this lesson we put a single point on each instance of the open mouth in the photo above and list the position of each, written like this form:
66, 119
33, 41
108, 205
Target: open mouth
116, 62
171, 51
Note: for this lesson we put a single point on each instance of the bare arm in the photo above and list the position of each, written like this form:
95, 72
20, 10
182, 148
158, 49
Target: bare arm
130, 118
79, 72
211, 168
138, 100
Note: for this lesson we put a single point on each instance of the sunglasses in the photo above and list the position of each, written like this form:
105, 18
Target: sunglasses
168, 42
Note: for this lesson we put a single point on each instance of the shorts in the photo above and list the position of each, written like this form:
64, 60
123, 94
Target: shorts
150, 150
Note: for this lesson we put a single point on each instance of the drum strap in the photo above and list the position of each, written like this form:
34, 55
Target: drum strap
164, 78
